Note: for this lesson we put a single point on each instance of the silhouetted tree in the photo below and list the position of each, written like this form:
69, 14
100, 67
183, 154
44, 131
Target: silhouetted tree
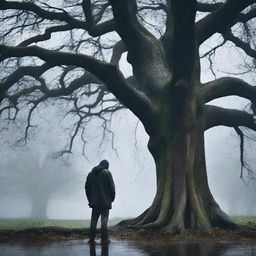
37, 177
70, 50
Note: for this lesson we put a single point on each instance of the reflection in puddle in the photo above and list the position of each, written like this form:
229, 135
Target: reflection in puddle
104, 250
130, 248
204, 248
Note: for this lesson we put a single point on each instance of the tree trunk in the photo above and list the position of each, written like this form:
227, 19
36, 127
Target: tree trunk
39, 207
183, 199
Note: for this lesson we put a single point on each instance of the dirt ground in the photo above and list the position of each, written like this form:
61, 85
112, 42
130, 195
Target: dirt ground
53, 234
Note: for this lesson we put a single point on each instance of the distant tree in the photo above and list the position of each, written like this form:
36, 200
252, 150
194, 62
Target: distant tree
37, 177
71, 51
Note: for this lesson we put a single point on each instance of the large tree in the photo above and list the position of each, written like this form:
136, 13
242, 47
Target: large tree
70, 50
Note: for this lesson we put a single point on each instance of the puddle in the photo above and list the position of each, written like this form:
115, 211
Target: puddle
130, 248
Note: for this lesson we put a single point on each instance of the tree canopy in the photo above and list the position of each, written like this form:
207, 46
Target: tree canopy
71, 51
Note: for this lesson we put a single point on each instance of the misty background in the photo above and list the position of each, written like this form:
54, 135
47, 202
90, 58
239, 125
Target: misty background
36, 183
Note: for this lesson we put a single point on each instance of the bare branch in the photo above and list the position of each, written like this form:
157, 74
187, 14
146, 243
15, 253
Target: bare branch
36, 103
18, 74
221, 19
144, 50
153, 6
240, 43
207, 7
50, 15
212, 51
241, 135
108, 73
127, 24
47, 34
245, 17
86, 111
93, 28
228, 86
244, 165
215, 116
118, 50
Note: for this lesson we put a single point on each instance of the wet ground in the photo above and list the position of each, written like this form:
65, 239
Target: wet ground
129, 248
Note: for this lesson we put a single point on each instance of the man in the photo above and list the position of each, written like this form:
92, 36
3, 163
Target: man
100, 192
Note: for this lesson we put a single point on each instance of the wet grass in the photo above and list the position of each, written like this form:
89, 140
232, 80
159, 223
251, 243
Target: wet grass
27, 230
245, 220
23, 223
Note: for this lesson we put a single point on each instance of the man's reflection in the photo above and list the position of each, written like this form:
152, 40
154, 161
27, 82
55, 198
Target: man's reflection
104, 249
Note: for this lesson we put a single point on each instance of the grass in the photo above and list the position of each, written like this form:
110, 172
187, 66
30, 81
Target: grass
22, 223
246, 220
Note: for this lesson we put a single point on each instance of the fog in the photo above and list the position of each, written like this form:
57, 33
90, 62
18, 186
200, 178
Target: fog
33, 179
32, 173
25, 169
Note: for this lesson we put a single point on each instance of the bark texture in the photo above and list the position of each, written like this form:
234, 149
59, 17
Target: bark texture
183, 199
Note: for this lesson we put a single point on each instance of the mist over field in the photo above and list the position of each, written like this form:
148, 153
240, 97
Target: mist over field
36, 184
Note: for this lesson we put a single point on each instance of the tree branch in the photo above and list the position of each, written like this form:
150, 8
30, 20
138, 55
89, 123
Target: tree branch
240, 43
241, 135
93, 28
206, 7
47, 34
118, 50
29, 6
245, 17
127, 24
221, 19
136, 101
145, 52
228, 86
85, 113
215, 116
18, 74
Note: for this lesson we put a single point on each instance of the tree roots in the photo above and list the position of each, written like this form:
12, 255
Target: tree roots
176, 225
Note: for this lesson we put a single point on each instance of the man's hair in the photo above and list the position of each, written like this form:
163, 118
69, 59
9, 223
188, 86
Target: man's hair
104, 163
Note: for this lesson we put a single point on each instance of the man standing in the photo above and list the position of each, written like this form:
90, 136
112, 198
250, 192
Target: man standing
100, 192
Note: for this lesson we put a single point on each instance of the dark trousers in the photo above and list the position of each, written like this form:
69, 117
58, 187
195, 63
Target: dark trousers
104, 249
96, 213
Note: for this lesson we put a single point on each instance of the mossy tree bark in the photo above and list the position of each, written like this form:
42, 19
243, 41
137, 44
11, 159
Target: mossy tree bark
183, 198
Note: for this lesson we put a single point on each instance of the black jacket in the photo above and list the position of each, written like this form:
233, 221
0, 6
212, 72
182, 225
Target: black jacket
100, 188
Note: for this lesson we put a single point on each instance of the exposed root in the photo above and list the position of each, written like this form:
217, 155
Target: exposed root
221, 220
130, 223
217, 219
174, 229
176, 226
153, 226
246, 231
